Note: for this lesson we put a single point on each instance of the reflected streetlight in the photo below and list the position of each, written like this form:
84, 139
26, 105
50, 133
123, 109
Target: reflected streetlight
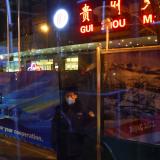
60, 20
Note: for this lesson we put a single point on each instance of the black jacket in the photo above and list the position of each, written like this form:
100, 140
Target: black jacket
67, 124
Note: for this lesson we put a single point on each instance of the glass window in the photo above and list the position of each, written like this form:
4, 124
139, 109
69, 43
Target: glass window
49, 47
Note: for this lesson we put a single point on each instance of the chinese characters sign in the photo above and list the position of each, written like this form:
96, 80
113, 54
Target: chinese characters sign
147, 13
86, 15
147, 3
116, 5
120, 22
121, 12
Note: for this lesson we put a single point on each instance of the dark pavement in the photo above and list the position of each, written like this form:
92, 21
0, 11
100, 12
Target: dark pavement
11, 149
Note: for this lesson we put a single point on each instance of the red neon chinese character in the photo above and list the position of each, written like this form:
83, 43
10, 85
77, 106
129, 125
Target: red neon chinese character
116, 5
147, 3
85, 13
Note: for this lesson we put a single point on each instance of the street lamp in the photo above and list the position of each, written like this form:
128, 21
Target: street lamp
60, 20
44, 28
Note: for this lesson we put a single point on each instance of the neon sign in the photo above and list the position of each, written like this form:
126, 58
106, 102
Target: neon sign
117, 5
147, 15
147, 19
86, 11
147, 3
34, 67
117, 23
121, 23
86, 28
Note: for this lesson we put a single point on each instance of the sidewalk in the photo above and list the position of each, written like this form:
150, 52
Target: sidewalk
10, 149
3, 158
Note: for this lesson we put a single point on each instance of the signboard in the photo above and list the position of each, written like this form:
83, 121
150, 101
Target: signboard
132, 96
34, 67
116, 5
86, 14
28, 100
146, 4
120, 20
123, 14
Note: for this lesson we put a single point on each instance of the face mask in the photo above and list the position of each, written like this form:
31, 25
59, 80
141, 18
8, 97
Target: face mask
70, 101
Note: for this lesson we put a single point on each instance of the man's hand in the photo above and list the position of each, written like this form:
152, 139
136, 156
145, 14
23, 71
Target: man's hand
91, 114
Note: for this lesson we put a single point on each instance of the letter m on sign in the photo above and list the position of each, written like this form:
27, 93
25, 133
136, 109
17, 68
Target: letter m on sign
148, 19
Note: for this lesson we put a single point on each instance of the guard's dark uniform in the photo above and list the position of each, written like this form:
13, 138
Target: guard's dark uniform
68, 125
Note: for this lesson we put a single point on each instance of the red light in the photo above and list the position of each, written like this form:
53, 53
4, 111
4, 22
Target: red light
115, 24
148, 19
85, 13
121, 23
117, 5
86, 21
86, 28
146, 4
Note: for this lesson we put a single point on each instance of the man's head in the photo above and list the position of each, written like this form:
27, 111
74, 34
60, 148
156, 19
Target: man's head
71, 97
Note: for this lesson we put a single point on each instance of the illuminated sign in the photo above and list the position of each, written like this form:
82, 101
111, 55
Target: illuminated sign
146, 4
121, 23
117, 5
148, 16
86, 26
71, 63
60, 18
85, 13
147, 19
118, 22
147, 12
145, 15
34, 67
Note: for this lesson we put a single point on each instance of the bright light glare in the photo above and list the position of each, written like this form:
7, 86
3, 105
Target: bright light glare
60, 18
1, 57
44, 28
